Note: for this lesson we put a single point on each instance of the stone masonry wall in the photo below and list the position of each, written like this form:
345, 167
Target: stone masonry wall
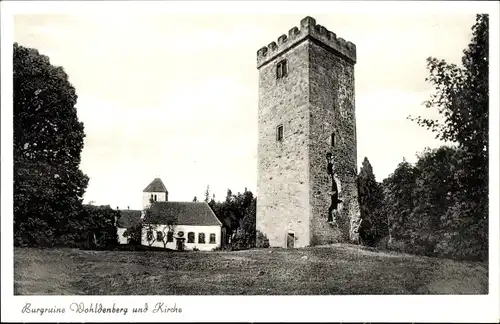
315, 99
283, 185
332, 111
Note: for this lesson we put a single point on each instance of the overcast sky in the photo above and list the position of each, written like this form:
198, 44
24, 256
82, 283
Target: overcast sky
175, 96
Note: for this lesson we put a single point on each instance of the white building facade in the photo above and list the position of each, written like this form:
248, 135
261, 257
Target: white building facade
182, 237
181, 226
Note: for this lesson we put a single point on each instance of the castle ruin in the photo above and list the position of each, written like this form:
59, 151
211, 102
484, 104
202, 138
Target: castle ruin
307, 193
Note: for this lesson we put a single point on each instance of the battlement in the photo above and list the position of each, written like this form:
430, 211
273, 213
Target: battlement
308, 29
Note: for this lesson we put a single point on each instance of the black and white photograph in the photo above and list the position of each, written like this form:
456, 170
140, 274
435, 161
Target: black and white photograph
248, 152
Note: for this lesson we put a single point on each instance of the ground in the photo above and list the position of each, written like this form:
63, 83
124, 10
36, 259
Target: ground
333, 269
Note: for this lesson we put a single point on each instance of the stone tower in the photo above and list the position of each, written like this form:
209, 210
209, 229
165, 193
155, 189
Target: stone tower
307, 193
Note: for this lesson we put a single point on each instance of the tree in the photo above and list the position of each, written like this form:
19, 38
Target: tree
398, 201
237, 213
48, 140
150, 237
165, 225
461, 94
373, 224
434, 187
134, 234
166, 235
195, 199
99, 224
207, 194
229, 195
245, 237
242, 208
462, 100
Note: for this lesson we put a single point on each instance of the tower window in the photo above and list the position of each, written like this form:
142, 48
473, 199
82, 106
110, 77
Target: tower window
281, 69
333, 139
155, 198
279, 133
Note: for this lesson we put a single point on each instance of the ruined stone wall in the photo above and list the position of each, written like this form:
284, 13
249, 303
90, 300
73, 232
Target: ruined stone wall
332, 111
283, 184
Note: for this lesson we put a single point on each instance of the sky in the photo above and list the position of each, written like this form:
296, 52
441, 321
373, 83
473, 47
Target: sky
176, 96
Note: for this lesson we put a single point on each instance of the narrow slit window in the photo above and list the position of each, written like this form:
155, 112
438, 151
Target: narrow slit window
333, 139
281, 69
279, 133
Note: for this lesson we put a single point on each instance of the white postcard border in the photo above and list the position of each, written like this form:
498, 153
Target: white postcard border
251, 308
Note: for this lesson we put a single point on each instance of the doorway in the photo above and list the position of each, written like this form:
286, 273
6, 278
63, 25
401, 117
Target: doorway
180, 244
290, 240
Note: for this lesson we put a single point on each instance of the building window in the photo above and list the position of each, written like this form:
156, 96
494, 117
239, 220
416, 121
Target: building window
212, 238
333, 139
281, 69
279, 133
170, 236
159, 236
201, 238
155, 197
150, 235
191, 237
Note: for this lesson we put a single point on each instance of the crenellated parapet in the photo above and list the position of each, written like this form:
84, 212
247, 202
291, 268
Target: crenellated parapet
308, 29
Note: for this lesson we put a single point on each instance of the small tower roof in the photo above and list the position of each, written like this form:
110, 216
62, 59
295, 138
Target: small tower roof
156, 186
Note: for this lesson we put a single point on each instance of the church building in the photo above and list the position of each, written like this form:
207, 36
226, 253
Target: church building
171, 224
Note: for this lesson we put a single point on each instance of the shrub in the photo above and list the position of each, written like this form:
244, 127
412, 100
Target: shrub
134, 235
262, 242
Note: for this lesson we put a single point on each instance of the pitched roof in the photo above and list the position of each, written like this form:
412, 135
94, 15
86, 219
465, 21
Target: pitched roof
181, 213
129, 218
156, 186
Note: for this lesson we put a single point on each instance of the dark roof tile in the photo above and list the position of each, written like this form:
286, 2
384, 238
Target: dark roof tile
181, 213
129, 218
156, 186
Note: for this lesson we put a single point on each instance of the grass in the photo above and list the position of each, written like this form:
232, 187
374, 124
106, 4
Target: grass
336, 269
